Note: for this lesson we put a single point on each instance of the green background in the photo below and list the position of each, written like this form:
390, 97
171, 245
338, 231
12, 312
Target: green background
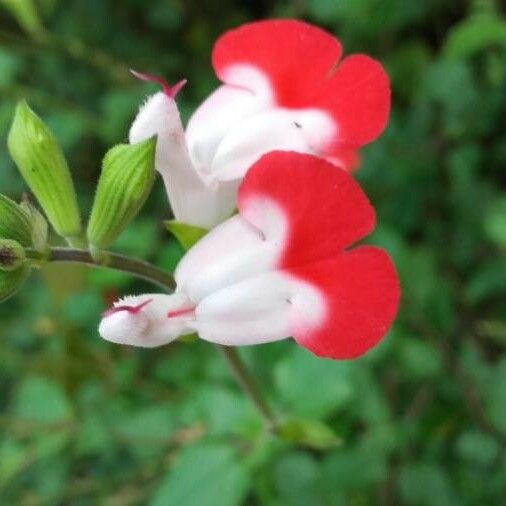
422, 417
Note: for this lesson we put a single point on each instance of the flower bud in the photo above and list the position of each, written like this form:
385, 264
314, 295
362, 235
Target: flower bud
128, 172
41, 162
11, 281
12, 255
15, 223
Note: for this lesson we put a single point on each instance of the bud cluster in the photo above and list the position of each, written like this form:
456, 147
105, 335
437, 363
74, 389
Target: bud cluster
128, 173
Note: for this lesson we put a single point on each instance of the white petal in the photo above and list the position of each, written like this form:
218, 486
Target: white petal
192, 199
265, 308
305, 131
160, 320
233, 251
222, 111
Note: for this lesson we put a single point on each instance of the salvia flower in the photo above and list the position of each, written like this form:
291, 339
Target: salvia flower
284, 87
280, 268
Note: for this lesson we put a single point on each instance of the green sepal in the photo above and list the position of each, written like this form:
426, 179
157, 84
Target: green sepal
12, 255
310, 433
39, 226
15, 223
187, 235
41, 162
11, 281
128, 173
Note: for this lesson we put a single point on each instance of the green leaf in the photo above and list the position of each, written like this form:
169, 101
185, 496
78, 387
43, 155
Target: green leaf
43, 166
496, 396
426, 484
128, 173
39, 225
10, 282
474, 34
297, 479
187, 235
312, 387
41, 400
204, 475
478, 448
151, 425
311, 433
14, 222
25, 12
495, 221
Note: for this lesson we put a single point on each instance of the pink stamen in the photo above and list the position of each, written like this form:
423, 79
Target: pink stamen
170, 91
129, 309
180, 312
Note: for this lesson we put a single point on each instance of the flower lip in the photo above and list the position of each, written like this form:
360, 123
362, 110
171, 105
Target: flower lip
130, 309
170, 91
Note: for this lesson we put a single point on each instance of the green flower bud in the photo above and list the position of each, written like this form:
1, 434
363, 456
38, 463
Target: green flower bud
11, 281
42, 164
12, 255
128, 173
14, 222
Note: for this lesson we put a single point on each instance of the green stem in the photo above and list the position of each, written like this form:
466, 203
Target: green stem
115, 261
248, 384
165, 281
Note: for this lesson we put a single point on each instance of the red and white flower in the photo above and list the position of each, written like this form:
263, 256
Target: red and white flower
284, 87
280, 268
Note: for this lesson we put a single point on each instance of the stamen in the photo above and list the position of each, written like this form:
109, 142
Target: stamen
130, 309
170, 91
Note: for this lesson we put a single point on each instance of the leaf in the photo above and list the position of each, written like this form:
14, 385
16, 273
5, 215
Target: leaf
11, 282
296, 479
311, 433
41, 400
204, 475
186, 234
25, 13
426, 484
495, 221
474, 34
312, 387
478, 448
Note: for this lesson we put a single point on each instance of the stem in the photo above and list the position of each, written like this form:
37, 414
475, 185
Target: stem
248, 384
115, 261
165, 281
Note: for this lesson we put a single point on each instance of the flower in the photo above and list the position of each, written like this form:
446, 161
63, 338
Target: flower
284, 87
280, 268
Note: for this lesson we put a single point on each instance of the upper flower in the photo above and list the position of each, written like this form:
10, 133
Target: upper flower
284, 87
280, 268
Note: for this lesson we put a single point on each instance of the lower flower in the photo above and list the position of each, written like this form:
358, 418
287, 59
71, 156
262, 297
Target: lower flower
280, 268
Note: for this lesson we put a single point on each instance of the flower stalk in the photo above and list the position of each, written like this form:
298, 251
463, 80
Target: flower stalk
152, 274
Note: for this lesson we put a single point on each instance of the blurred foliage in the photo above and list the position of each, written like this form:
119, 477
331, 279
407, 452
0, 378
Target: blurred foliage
422, 417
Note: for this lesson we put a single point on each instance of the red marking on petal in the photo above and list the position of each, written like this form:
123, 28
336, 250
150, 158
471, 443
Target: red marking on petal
180, 312
301, 62
325, 207
170, 91
130, 309
361, 291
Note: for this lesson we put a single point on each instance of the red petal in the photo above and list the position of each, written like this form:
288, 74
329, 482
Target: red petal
362, 292
301, 63
358, 96
325, 208
294, 55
